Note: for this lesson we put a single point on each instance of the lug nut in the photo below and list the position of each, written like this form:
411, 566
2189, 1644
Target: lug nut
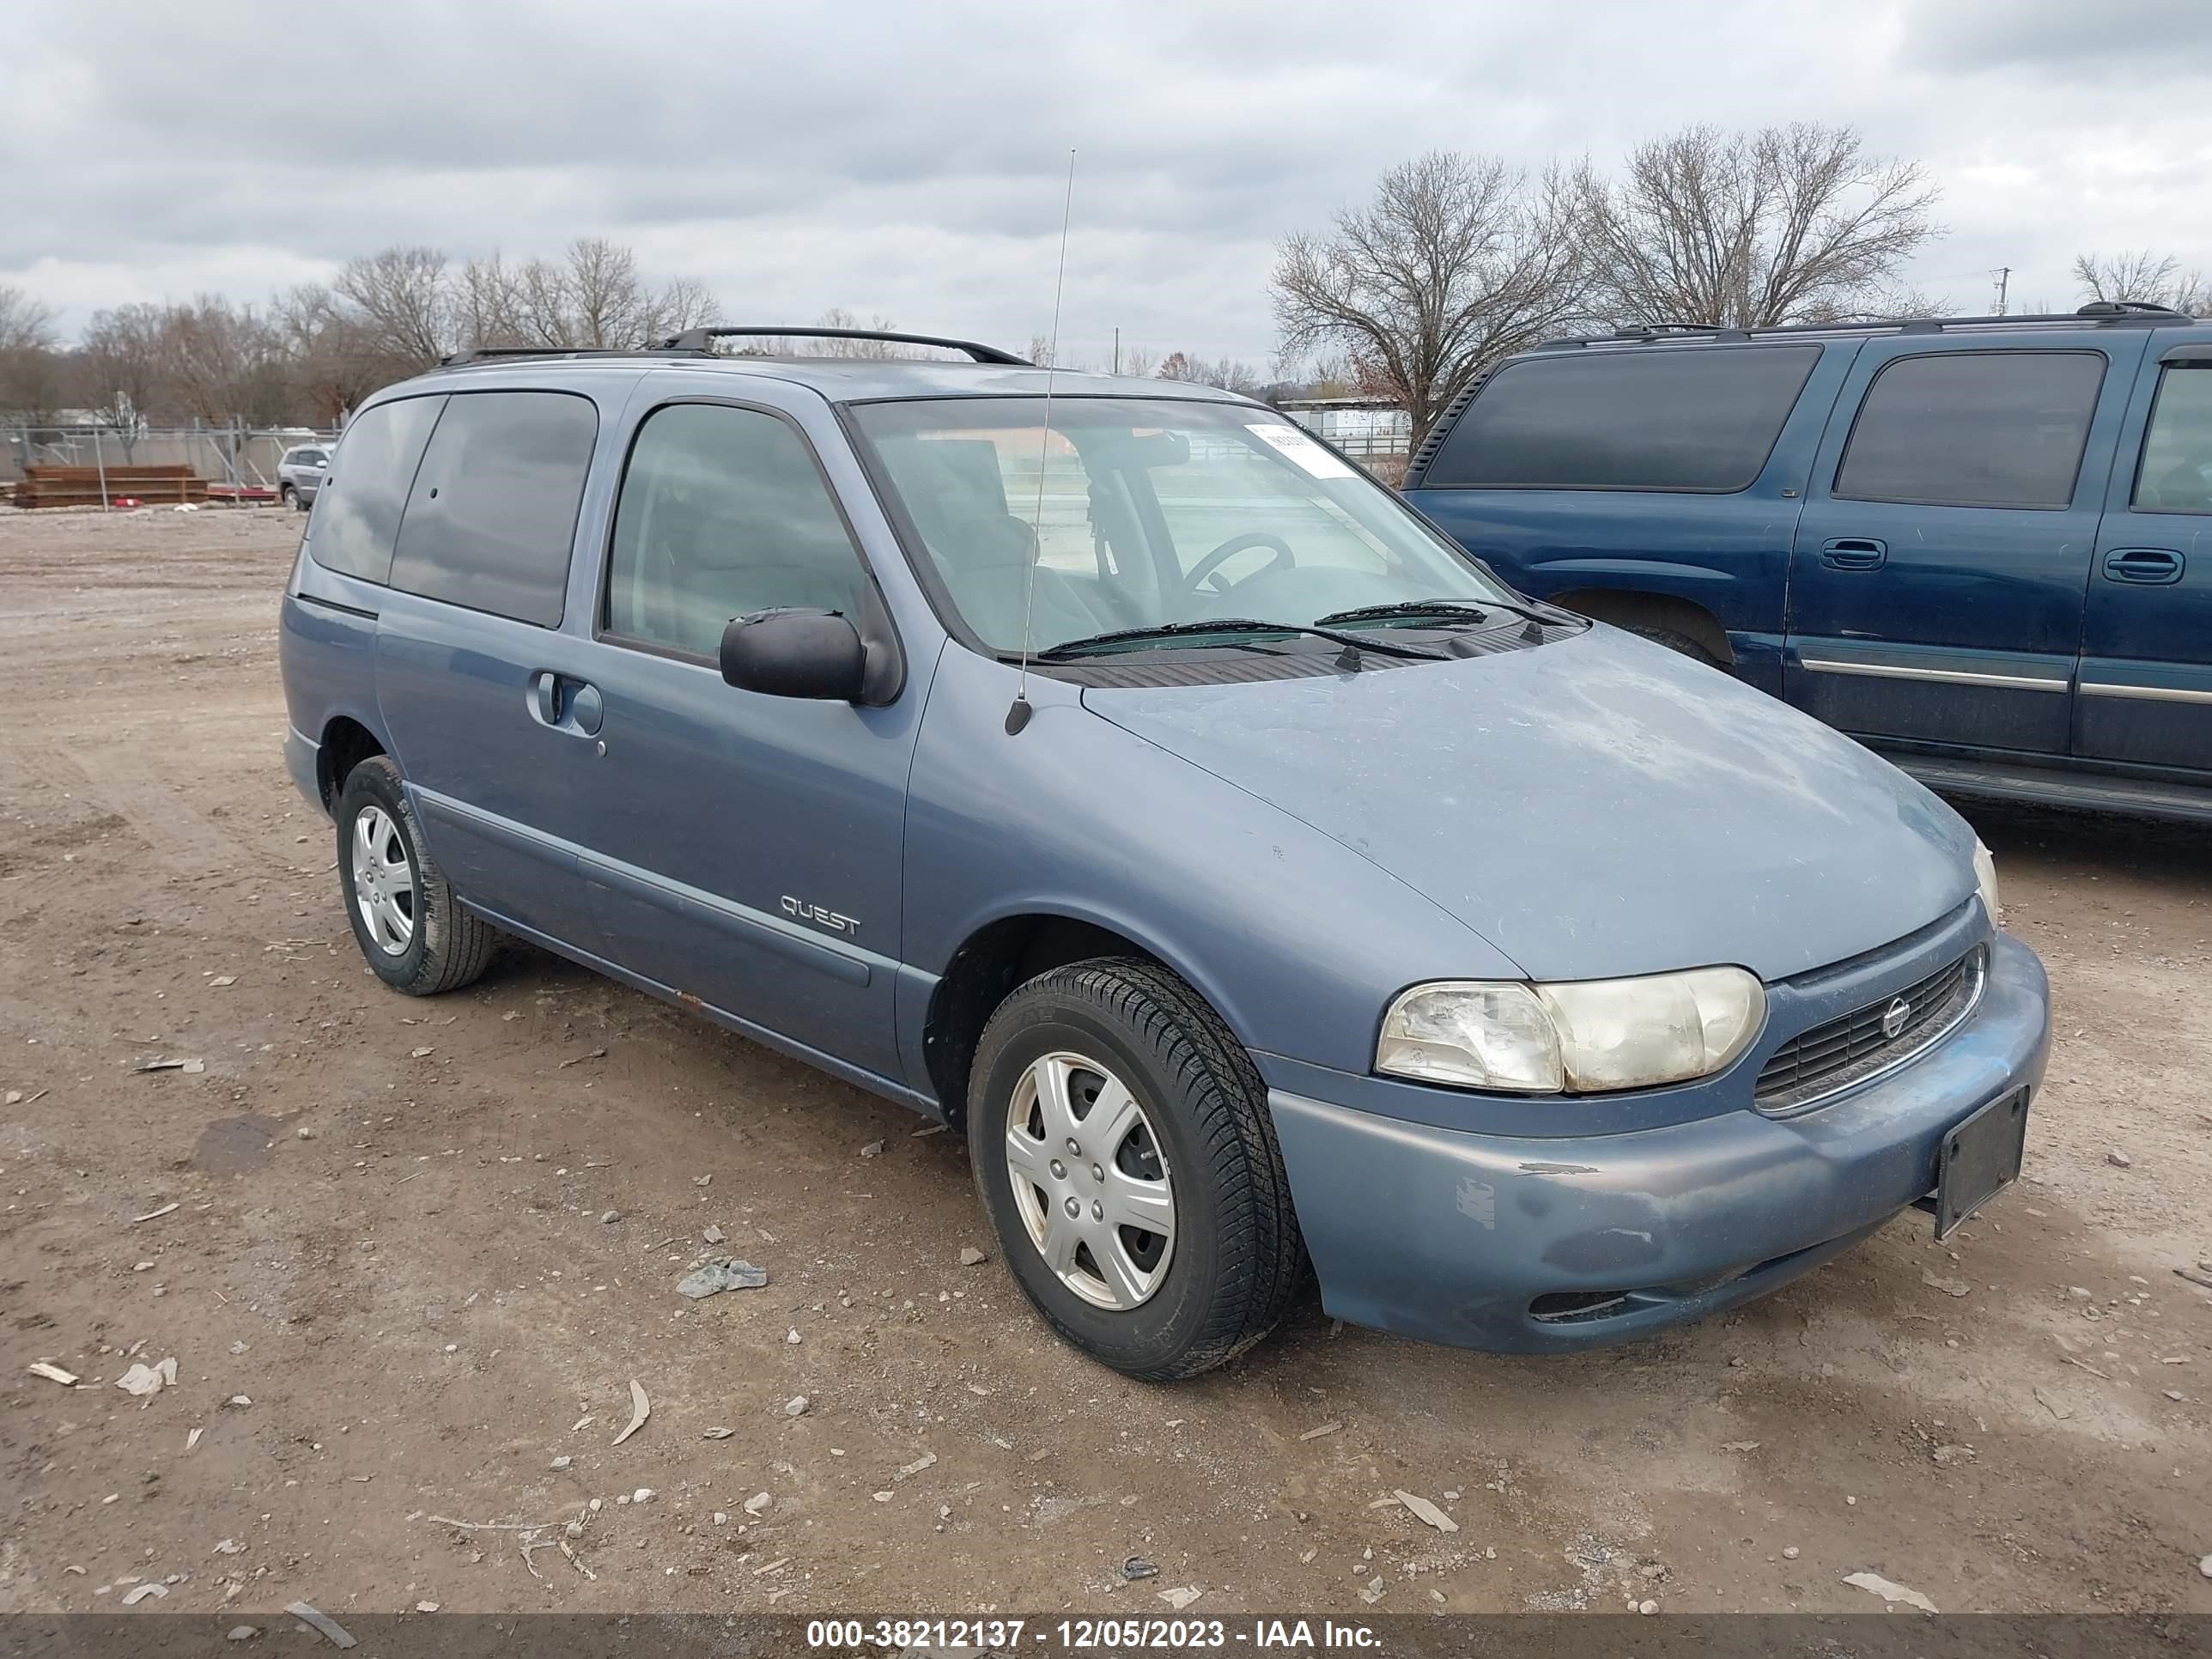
1075, 1210
1097, 1174
1059, 1171
1074, 1149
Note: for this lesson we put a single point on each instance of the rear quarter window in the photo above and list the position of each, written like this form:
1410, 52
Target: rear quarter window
1664, 418
359, 504
492, 515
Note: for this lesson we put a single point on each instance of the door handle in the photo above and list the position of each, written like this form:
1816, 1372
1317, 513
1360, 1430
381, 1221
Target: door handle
2151, 567
566, 703
1853, 553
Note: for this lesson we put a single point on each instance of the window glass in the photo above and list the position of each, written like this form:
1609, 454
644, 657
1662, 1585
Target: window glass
2177, 458
1230, 491
493, 511
723, 513
1139, 512
1651, 417
358, 504
1973, 428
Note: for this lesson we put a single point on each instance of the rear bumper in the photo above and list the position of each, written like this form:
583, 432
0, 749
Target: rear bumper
1449, 1236
302, 756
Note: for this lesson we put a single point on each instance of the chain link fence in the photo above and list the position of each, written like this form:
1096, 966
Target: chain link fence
241, 459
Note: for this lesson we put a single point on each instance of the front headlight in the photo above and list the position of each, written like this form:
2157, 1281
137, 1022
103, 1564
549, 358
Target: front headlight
1582, 1037
1985, 879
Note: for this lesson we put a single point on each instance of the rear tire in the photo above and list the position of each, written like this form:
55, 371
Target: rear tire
412, 931
1676, 641
1200, 1159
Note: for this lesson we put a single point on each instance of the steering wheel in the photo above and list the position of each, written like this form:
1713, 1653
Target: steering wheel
1284, 559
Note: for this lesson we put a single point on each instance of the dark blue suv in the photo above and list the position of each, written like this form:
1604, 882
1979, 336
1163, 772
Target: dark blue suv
1981, 545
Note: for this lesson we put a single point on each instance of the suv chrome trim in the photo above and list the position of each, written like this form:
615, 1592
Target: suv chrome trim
1883, 670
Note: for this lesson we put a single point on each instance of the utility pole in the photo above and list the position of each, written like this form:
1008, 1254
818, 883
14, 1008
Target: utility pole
1117, 350
2004, 274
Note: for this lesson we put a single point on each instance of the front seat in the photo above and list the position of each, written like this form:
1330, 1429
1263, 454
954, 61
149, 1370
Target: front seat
987, 563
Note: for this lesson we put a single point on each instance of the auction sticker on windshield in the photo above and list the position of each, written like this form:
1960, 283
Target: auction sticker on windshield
1307, 454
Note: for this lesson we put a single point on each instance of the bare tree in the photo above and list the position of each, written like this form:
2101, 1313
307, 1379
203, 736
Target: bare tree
24, 321
120, 363
406, 302
1787, 224
1457, 261
333, 361
591, 298
222, 362
31, 369
2157, 279
1229, 374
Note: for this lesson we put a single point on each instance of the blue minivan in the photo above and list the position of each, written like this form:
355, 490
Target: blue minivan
1262, 887
1981, 545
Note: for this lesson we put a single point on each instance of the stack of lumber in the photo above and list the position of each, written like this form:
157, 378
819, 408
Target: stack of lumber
80, 486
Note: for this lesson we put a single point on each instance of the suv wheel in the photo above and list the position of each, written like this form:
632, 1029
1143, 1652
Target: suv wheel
1675, 641
1120, 1142
411, 930
291, 497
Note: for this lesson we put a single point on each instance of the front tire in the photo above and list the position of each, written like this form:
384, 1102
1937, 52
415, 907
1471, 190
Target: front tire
412, 932
1122, 1149
291, 497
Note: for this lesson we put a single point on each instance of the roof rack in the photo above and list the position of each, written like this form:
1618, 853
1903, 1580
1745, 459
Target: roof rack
499, 354
701, 339
2101, 314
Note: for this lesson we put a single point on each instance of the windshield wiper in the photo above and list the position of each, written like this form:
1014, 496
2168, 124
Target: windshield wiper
1470, 611
1171, 631
1432, 609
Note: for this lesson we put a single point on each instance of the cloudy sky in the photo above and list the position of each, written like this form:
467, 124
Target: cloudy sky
906, 157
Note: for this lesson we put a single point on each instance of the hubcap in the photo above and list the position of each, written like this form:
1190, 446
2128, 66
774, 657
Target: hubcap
1103, 1217
383, 881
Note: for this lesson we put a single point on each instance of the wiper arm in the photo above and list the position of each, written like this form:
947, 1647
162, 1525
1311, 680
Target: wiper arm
1439, 609
1171, 631
1469, 610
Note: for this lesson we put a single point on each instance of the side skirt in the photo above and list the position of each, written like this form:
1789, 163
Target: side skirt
874, 1083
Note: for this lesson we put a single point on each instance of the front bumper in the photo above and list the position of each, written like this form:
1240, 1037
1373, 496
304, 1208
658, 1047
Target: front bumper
1451, 1237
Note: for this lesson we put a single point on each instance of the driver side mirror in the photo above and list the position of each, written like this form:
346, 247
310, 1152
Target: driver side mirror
795, 653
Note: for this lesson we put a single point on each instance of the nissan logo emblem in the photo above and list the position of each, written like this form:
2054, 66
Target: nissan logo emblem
1894, 1016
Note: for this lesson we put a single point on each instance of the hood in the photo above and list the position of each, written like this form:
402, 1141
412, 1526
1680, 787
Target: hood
1596, 807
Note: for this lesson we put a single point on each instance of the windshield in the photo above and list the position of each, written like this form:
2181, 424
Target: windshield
1147, 515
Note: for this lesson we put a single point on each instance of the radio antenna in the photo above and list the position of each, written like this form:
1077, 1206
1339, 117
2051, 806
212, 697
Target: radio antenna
1018, 716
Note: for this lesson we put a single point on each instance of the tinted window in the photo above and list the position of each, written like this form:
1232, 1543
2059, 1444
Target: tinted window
2177, 458
494, 508
722, 513
358, 506
1973, 428
1651, 418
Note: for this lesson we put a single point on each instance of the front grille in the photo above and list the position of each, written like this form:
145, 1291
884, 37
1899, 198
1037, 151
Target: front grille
1840, 1052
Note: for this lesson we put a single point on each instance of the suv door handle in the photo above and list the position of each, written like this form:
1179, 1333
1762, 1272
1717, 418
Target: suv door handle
2152, 567
566, 703
1853, 553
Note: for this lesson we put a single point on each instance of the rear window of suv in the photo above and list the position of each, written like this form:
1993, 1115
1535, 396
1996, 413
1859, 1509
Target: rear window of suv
1663, 419
358, 507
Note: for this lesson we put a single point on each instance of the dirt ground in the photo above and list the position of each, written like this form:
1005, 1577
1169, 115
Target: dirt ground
408, 1256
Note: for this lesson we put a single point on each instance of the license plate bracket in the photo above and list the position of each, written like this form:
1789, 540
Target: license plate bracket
1978, 1159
